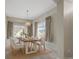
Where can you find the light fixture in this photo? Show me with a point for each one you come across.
(27, 12)
(28, 24)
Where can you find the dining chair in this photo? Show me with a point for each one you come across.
(41, 44)
(15, 45)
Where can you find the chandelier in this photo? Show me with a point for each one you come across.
(27, 23)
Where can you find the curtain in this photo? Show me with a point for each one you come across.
(9, 29)
(36, 25)
(48, 28)
(30, 30)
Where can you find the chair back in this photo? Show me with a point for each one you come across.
(15, 43)
(12, 43)
(42, 41)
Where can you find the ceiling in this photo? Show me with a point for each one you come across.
(18, 8)
(68, 6)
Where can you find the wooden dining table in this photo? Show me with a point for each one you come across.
(29, 42)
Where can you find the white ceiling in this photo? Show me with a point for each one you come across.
(17, 8)
(68, 6)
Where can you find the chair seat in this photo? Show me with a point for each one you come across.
(15, 44)
(38, 43)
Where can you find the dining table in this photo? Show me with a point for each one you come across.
(29, 44)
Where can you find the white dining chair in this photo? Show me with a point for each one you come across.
(16, 45)
(41, 44)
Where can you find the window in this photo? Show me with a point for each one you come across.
(18, 29)
(41, 29)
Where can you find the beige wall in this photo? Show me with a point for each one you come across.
(53, 15)
(17, 20)
(57, 28)
(68, 30)
(68, 35)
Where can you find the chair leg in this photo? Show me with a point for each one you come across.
(23, 50)
(40, 47)
(44, 47)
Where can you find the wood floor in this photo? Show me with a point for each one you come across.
(43, 54)
(48, 54)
